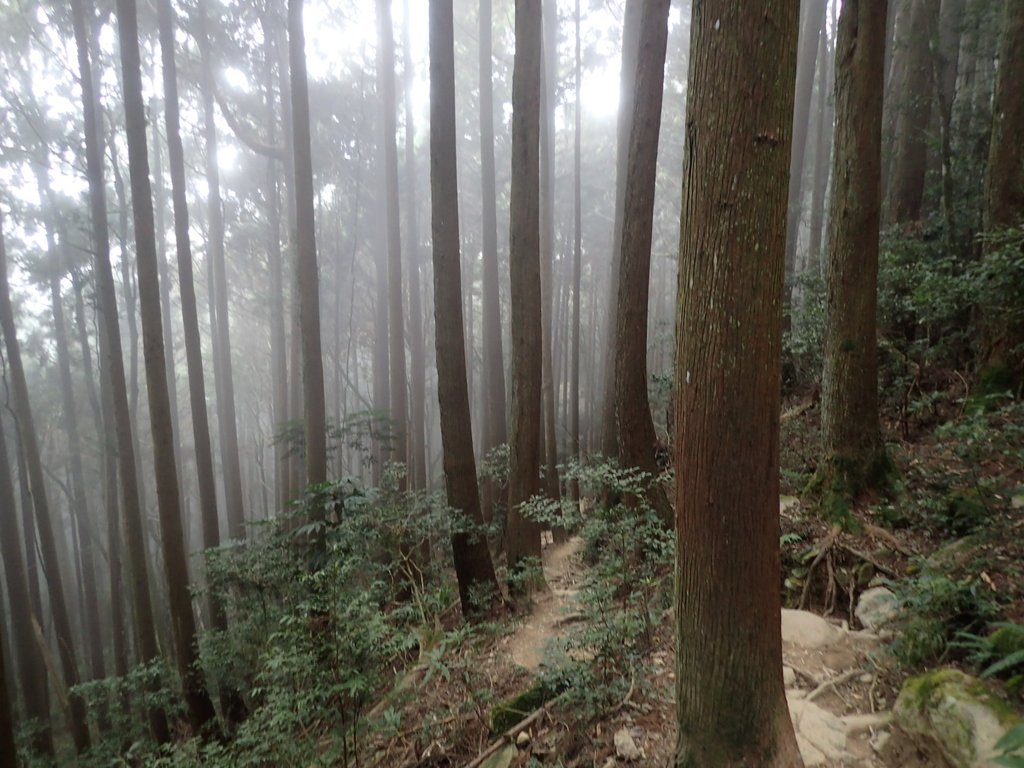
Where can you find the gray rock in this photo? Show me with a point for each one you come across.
(876, 607)
(788, 677)
(807, 629)
(820, 735)
(954, 714)
(625, 748)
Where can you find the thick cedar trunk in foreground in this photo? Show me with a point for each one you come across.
(473, 566)
(31, 669)
(183, 624)
(307, 275)
(44, 524)
(523, 535)
(627, 77)
(851, 437)
(638, 441)
(731, 701)
(112, 372)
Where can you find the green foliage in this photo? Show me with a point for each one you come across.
(1010, 748)
(803, 341)
(999, 653)
(934, 609)
(321, 613)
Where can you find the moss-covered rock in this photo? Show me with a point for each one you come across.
(956, 714)
(513, 710)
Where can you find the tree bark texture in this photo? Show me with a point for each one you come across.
(851, 436)
(575, 447)
(730, 697)
(523, 535)
(1004, 183)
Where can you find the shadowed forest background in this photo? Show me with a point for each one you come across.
(420, 383)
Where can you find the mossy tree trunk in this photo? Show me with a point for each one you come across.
(731, 704)
(854, 457)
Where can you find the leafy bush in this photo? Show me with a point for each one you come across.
(935, 609)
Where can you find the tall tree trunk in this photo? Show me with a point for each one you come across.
(851, 437)
(473, 567)
(186, 650)
(230, 701)
(1004, 193)
(77, 723)
(31, 669)
(910, 154)
(627, 77)
(417, 358)
(306, 271)
(79, 502)
(548, 86)
(638, 442)
(234, 497)
(731, 704)
(812, 29)
(396, 322)
(522, 535)
(822, 153)
(493, 354)
(117, 407)
(575, 447)
(8, 749)
(951, 21)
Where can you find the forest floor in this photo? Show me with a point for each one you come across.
(841, 679)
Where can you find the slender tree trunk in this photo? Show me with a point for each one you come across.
(117, 407)
(230, 701)
(822, 154)
(228, 424)
(811, 31)
(493, 354)
(638, 442)
(627, 78)
(851, 437)
(549, 84)
(417, 357)
(951, 21)
(186, 650)
(473, 566)
(522, 535)
(80, 506)
(8, 749)
(306, 271)
(396, 322)
(44, 524)
(576, 447)
(31, 670)
(731, 704)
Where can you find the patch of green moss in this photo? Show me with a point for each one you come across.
(841, 478)
(965, 511)
(511, 711)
